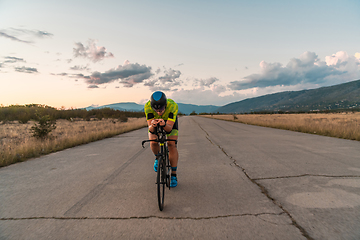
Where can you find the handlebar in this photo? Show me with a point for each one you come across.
(160, 141)
(161, 137)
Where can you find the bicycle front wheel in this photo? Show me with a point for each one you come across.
(167, 169)
(160, 182)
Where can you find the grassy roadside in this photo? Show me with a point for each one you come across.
(339, 125)
(17, 143)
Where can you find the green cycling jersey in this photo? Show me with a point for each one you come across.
(170, 113)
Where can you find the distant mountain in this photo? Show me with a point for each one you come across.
(189, 108)
(126, 106)
(342, 96)
(183, 108)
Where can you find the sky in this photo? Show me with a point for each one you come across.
(73, 54)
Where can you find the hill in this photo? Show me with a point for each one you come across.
(189, 108)
(125, 106)
(342, 96)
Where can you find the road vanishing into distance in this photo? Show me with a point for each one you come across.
(236, 181)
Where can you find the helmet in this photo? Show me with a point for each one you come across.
(158, 100)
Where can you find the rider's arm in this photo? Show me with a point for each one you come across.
(150, 123)
(168, 126)
(153, 122)
(172, 117)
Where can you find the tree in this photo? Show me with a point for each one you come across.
(193, 113)
(45, 126)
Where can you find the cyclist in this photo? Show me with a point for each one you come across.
(163, 111)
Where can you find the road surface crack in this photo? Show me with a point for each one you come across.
(308, 175)
(262, 188)
(141, 217)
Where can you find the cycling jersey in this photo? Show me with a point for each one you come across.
(170, 113)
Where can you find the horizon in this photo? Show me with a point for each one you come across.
(204, 53)
(235, 101)
(107, 104)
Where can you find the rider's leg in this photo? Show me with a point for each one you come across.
(173, 152)
(155, 148)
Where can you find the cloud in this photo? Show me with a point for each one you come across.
(2, 34)
(14, 60)
(134, 79)
(336, 59)
(26, 70)
(79, 68)
(346, 63)
(205, 82)
(16, 35)
(42, 34)
(169, 79)
(35, 33)
(59, 74)
(210, 96)
(92, 52)
(129, 75)
(170, 76)
(307, 69)
(206, 92)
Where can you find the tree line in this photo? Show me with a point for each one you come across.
(25, 113)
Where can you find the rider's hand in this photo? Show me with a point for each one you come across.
(154, 123)
(162, 122)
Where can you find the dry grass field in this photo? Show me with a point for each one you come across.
(340, 125)
(18, 144)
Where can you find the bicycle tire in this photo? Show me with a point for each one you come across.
(168, 168)
(160, 183)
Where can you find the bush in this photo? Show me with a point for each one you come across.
(123, 118)
(45, 126)
(24, 118)
(193, 113)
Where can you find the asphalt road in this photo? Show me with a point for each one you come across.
(236, 181)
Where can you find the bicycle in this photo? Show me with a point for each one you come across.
(164, 167)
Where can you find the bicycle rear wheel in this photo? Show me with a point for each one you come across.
(160, 182)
